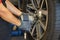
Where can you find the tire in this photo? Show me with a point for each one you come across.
(57, 23)
(51, 22)
(49, 33)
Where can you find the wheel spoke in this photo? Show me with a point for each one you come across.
(33, 30)
(41, 4)
(45, 12)
(46, 4)
(38, 29)
(33, 4)
(41, 35)
(30, 13)
(38, 2)
(42, 25)
(30, 6)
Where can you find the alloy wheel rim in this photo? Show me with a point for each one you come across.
(40, 9)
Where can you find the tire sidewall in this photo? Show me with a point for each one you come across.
(51, 21)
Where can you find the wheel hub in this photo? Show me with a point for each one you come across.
(39, 13)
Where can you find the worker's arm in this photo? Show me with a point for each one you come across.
(8, 16)
(12, 8)
(0, 1)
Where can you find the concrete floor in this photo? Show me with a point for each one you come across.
(17, 38)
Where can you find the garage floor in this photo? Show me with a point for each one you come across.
(17, 38)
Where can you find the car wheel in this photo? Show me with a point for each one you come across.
(44, 19)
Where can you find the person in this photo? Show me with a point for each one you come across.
(7, 15)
